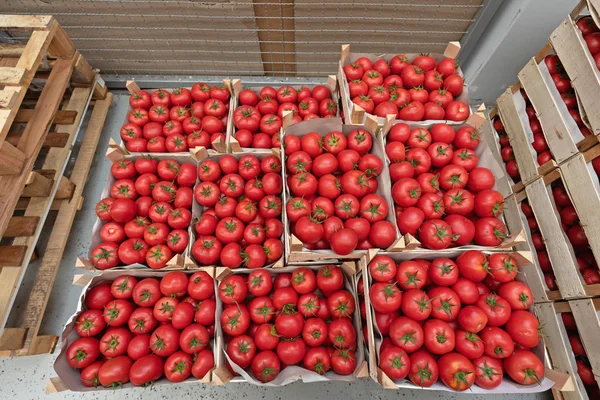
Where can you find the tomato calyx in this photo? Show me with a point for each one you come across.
(408, 337)
(423, 304)
(167, 308)
(123, 286)
(157, 254)
(492, 301)
(207, 244)
(298, 205)
(112, 343)
(342, 308)
(390, 291)
(498, 350)
(382, 267)
(140, 325)
(373, 210)
(488, 372)
(174, 239)
(441, 233)
(445, 269)
(244, 346)
(86, 325)
(458, 198)
(179, 367)
(311, 307)
(423, 374)
(95, 381)
(473, 338)
(234, 321)
(461, 378)
(412, 279)
(103, 255)
(266, 372)
(346, 207)
(146, 295)
(80, 356)
(498, 208)
(230, 225)
(441, 338)
(396, 362)
(455, 180)
(320, 368)
(446, 306)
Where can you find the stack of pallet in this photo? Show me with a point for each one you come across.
(46, 89)
(566, 280)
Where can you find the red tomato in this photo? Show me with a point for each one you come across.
(406, 334)
(423, 369)
(394, 362)
(524, 367)
(456, 371)
(488, 372)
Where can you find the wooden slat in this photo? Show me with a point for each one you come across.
(24, 202)
(557, 347)
(11, 255)
(53, 139)
(588, 326)
(12, 159)
(30, 60)
(12, 338)
(12, 76)
(83, 72)
(62, 117)
(37, 185)
(61, 45)
(26, 21)
(21, 226)
(11, 50)
(581, 68)
(9, 97)
(40, 293)
(65, 189)
(560, 253)
(34, 135)
(557, 124)
(517, 133)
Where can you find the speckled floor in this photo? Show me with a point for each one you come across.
(26, 377)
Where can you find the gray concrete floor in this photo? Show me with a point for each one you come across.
(26, 377)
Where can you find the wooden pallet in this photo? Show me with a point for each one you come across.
(32, 179)
(25, 338)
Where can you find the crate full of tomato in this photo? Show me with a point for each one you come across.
(178, 120)
(336, 194)
(145, 212)
(412, 87)
(281, 325)
(140, 328)
(237, 211)
(258, 112)
(454, 322)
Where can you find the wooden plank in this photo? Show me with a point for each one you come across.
(581, 68)
(517, 129)
(588, 326)
(38, 300)
(24, 202)
(11, 255)
(30, 60)
(61, 45)
(65, 189)
(558, 246)
(62, 117)
(554, 339)
(34, 135)
(12, 159)
(551, 112)
(42, 344)
(579, 182)
(12, 76)
(37, 185)
(53, 139)
(12, 338)
(15, 22)
(83, 72)
(9, 97)
(21, 226)
(11, 50)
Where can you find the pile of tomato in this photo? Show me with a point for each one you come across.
(440, 194)
(574, 232)
(332, 184)
(506, 151)
(139, 330)
(303, 318)
(563, 85)
(417, 91)
(584, 368)
(591, 35)
(240, 224)
(463, 321)
(258, 118)
(176, 121)
(147, 213)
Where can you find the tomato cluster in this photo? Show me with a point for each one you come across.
(584, 368)
(591, 35)
(332, 183)
(563, 85)
(506, 151)
(176, 121)
(441, 196)
(417, 91)
(147, 213)
(574, 232)
(241, 222)
(463, 321)
(258, 118)
(137, 330)
(303, 318)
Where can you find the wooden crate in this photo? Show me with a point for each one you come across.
(559, 248)
(511, 108)
(49, 120)
(569, 45)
